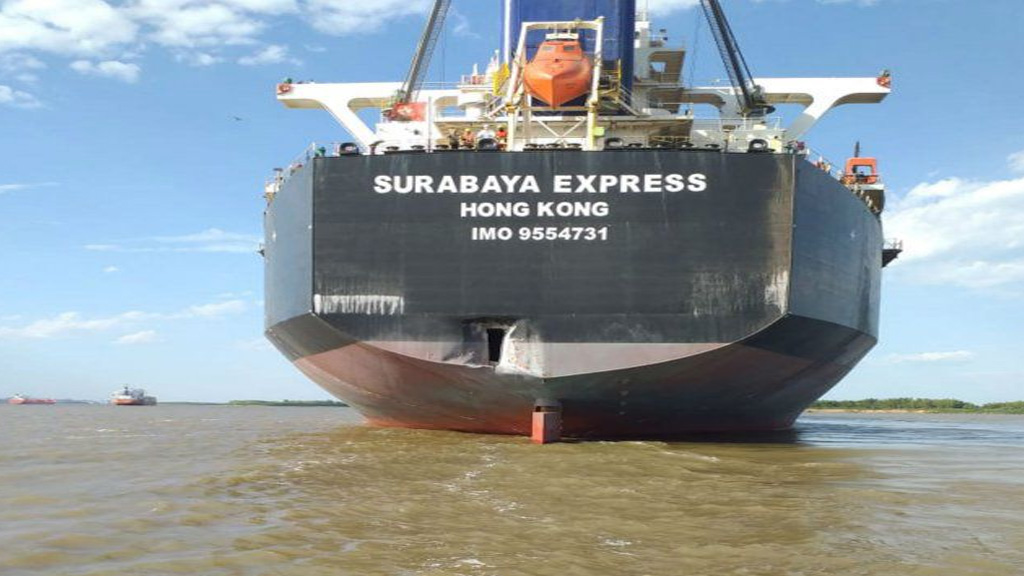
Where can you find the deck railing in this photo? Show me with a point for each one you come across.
(823, 163)
(281, 175)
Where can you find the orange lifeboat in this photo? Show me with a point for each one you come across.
(861, 171)
(560, 72)
(861, 176)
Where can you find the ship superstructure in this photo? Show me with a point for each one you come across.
(637, 101)
(569, 228)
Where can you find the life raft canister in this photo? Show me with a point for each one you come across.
(885, 79)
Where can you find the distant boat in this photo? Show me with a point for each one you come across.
(132, 397)
(18, 399)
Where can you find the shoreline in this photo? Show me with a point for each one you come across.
(890, 411)
(904, 411)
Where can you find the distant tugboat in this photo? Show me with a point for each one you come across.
(132, 397)
(18, 399)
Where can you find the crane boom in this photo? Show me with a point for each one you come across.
(421, 61)
(751, 102)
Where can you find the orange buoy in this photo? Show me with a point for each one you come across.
(560, 72)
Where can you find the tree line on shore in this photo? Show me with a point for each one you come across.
(923, 404)
(286, 403)
(896, 404)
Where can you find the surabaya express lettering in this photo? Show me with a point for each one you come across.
(523, 184)
(575, 218)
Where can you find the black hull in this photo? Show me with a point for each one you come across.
(729, 302)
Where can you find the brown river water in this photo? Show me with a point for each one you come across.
(223, 490)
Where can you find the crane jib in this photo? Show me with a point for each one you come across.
(748, 94)
(421, 61)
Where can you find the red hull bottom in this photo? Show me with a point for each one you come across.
(736, 388)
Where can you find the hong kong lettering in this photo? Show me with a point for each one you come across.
(541, 209)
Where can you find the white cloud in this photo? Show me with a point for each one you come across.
(858, 2)
(193, 58)
(11, 63)
(339, 18)
(67, 27)
(460, 25)
(144, 337)
(68, 324)
(126, 72)
(667, 6)
(211, 240)
(214, 310)
(97, 30)
(111, 269)
(931, 357)
(96, 35)
(197, 24)
(235, 295)
(193, 24)
(1016, 161)
(17, 99)
(13, 187)
(273, 54)
(962, 232)
(254, 345)
(4, 188)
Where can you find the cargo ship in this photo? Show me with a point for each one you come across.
(574, 230)
(19, 399)
(132, 397)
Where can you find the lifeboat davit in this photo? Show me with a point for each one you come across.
(560, 72)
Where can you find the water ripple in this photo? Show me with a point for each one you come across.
(259, 491)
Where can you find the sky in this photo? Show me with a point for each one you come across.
(136, 135)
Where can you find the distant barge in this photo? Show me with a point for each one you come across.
(19, 400)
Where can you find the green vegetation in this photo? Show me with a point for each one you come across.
(286, 403)
(920, 405)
